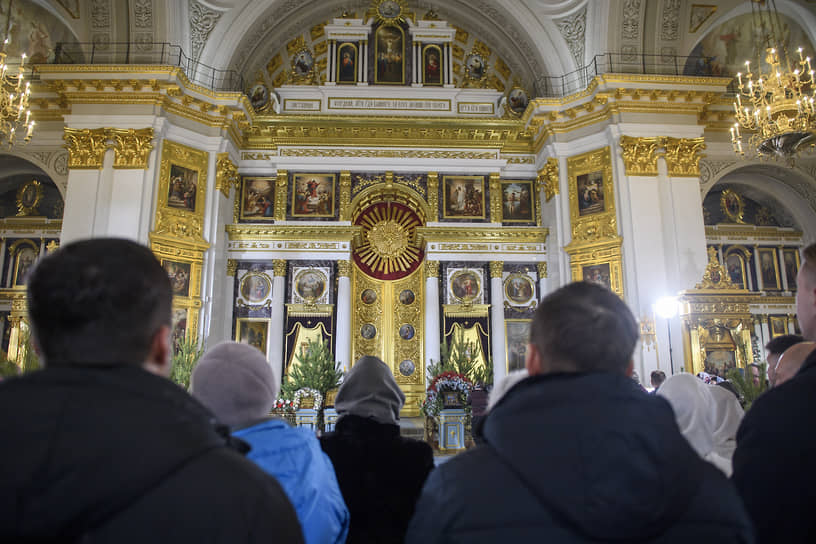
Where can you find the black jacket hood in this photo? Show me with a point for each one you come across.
(83, 443)
(614, 465)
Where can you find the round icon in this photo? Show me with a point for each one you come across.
(407, 367)
(407, 297)
(406, 332)
(368, 331)
(369, 296)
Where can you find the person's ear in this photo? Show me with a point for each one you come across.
(158, 359)
(532, 361)
(630, 368)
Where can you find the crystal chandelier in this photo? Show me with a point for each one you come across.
(777, 106)
(14, 94)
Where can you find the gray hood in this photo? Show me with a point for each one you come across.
(369, 390)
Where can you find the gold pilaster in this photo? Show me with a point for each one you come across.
(683, 156)
(547, 179)
(496, 269)
(345, 195)
(86, 147)
(639, 155)
(279, 267)
(495, 198)
(226, 175)
(280, 195)
(344, 268)
(433, 195)
(131, 147)
(432, 269)
(232, 267)
(542, 270)
(18, 323)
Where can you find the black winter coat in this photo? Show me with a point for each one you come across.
(579, 458)
(380, 475)
(117, 454)
(773, 462)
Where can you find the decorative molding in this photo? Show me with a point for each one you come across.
(495, 198)
(226, 175)
(547, 178)
(344, 268)
(388, 153)
(432, 269)
(631, 20)
(639, 155)
(683, 155)
(280, 195)
(71, 6)
(670, 21)
(86, 147)
(572, 30)
(496, 269)
(279, 268)
(542, 269)
(433, 195)
(345, 195)
(131, 147)
(232, 267)
(202, 22)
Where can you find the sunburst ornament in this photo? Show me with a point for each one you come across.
(389, 249)
(389, 12)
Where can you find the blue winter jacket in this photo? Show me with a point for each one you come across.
(294, 457)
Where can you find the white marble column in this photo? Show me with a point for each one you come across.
(782, 271)
(432, 330)
(448, 65)
(758, 269)
(342, 346)
(766, 330)
(364, 61)
(277, 318)
(543, 283)
(497, 321)
(791, 328)
(331, 61)
(758, 332)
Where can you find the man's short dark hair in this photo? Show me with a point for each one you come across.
(583, 327)
(780, 344)
(658, 377)
(98, 301)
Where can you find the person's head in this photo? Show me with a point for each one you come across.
(369, 390)
(582, 327)
(791, 361)
(236, 382)
(806, 293)
(102, 301)
(755, 372)
(657, 377)
(776, 348)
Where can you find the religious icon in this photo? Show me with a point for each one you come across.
(407, 367)
(258, 199)
(253, 332)
(28, 197)
(519, 289)
(310, 285)
(303, 63)
(368, 296)
(769, 269)
(735, 265)
(475, 67)
(517, 201)
(779, 326)
(719, 361)
(465, 286)
(517, 101)
(432, 63)
(463, 197)
(590, 193)
(368, 331)
(179, 274)
(406, 297)
(791, 259)
(598, 274)
(178, 325)
(255, 287)
(406, 332)
(183, 188)
(517, 333)
(313, 195)
(347, 63)
(390, 55)
(259, 96)
(24, 258)
(389, 9)
(732, 206)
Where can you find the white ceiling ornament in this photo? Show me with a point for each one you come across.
(202, 21)
(573, 29)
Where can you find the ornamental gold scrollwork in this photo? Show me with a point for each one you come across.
(683, 155)
(542, 270)
(345, 195)
(496, 269)
(279, 268)
(280, 195)
(344, 268)
(547, 179)
(86, 147)
(715, 275)
(232, 267)
(131, 147)
(29, 196)
(433, 195)
(226, 175)
(495, 198)
(639, 155)
(432, 269)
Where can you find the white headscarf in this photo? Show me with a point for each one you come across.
(693, 407)
(728, 415)
(504, 385)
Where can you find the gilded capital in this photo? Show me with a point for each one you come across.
(432, 269)
(280, 195)
(548, 178)
(496, 269)
(344, 268)
(345, 195)
(86, 147)
(232, 267)
(683, 156)
(226, 174)
(52, 246)
(131, 147)
(639, 155)
(495, 198)
(433, 195)
(542, 270)
(279, 267)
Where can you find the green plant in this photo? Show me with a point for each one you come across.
(316, 369)
(185, 357)
(462, 357)
(744, 384)
(8, 368)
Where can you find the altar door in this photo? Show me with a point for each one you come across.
(388, 322)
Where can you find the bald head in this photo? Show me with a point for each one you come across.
(791, 361)
(806, 293)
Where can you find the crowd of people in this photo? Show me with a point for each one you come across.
(101, 447)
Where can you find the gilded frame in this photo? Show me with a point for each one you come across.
(737, 253)
(584, 169)
(795, 253)
(267, 195)
(248, 287)
(29, 196)
(425, 51)
(181, 276)
(461, 274)
(246, 325)
(179, 326)
(297, 289)
(531, 201)
(447, 183)
(377, 76)
(299, 177)
(354, 65)
(730, 199)
(510, 289)
(513, 347)
(16, 252)
(181, 222)
(777, 325)
(765, 269)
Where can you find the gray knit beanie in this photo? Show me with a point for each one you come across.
(369, 390)
(236, 382)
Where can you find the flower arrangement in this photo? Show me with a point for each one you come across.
(284, 405)
(307, 392)
(446, 381)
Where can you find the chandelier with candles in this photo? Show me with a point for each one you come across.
(776, 105)
(15, 115)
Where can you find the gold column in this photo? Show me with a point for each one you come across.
(495, 198)
(496, 269)
(345, 195)
(131, 147)
(431, 269)
(433, 195)
(280, 195)
(18, 321)
(344, 269)
(279, 267)
(86, 147)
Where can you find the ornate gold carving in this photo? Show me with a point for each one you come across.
(433, 195)
(226, 175)
(389, 243)
(52, 246)
(279, 267)
(542, 270)
(483, 234)
(495, 198)
(388, 153)
(639, 155)
(715, 275)
(683, 155)
(732, 205)
(29, 196)
(232, 267)
(432, 269)
(594, 171)
(86, 147)
(605, 255)
(496, 269)
(344, 268)
(131, 147)
(329, 232)
(280, 195)
(547, 179)
(345, 195)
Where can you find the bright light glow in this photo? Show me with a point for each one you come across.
(666, 307)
